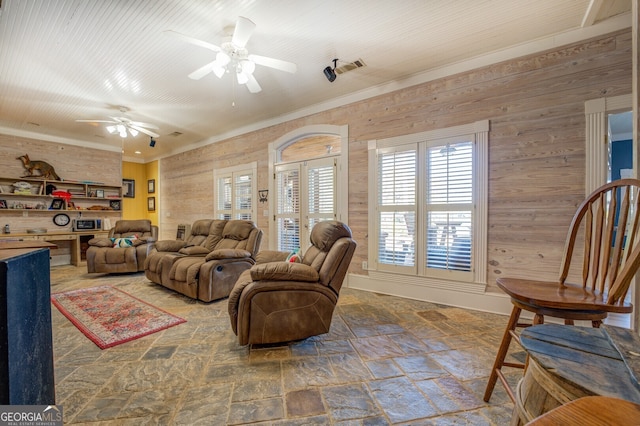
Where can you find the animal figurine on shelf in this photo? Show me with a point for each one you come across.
(46, 170)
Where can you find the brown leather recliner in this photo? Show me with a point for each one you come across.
(130, 255)
(279, 301)
(209, 262)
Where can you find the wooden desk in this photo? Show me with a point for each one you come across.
(78, 241)
(569, 362)
(11, 245)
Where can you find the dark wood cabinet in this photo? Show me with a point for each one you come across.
(26, 342)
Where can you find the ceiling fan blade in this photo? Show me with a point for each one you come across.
(202, 71)
(96, 121)
(252, 84)
(193, 40)
(141, 124)
(274, 63)
(145, 131)
(243, 31)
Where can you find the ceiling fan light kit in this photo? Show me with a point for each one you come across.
(123, 124)
(232, 57)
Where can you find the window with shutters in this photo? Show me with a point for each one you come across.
(449, 205)
(397, 206)
(288, 207)
(234, 193)
(305, 167)
(430, 203)
(306, 195)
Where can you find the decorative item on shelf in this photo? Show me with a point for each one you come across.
(151, 204)
(3, 204)
(57, 204)
(114, 204)
(151, 186)
(22, 188)
(128, 188)
(61, 219)
(37, 231)
(100, 193)
(45, 169)
(263, 195)
(65, 195)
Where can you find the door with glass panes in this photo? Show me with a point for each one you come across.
(305, 195)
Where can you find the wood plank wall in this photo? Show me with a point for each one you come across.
(537, 154)
(70, 163)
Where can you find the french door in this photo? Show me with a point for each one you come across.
(305, 195)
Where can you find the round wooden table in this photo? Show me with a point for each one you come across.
(567, 363)
(591, 411)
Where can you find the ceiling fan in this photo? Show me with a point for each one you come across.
(123, 124)
(232, 56)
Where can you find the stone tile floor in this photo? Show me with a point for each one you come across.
(386, 360)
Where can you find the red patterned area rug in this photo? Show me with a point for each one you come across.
(109, 316)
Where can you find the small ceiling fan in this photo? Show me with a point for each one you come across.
(123, 124)
(232, 56)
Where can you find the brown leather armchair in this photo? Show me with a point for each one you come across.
(278, 301)
(102, 256)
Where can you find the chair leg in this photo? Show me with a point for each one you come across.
(502, 353)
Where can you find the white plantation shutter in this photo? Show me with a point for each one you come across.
(234, 192)
(397, 206)
(306, 195)
(449, 206)
(430, 203)
(321, 194)
(224, 195)
(288, 207)
(243, 191)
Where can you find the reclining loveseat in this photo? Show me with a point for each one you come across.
(124, 250)
(205, 265)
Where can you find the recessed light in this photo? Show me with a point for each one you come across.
(138, 152)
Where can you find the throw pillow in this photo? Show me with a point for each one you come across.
(124, 242)
(294, 256)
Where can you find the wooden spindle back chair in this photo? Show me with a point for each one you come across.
(606, 225)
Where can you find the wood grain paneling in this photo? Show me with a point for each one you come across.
(535, 105)
(70, 163)
(536, 147)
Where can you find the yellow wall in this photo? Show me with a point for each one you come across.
(152, 173)
(137, 207)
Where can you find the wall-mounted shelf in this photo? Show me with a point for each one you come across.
(35, 195)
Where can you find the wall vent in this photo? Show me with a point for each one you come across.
(358, 63)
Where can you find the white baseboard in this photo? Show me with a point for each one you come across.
(401, 286)
(453, 294)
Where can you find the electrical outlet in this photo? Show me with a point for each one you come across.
(365, 265)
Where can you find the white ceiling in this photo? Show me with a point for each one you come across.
(62, 60)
